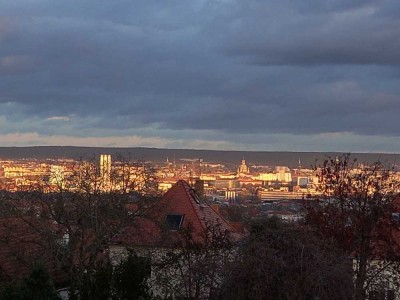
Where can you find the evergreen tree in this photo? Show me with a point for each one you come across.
(130, 278)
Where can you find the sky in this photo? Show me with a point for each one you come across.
(268, 75)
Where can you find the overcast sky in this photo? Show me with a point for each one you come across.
(293, 75)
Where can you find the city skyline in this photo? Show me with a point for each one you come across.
(225, 75)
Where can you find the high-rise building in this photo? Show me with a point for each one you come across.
(105, 170)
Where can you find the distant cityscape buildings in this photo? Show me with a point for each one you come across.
(57, 175)
(243, 168)
(261, 189)
(105, 171)
(224, 183)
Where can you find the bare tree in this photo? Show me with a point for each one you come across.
(73, 221)
(194, 266)
(355, 209)
(134, 176)
(283, 261)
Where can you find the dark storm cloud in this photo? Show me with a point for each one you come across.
(245, 67)
(350, 34)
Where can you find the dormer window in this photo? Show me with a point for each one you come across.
(174, 222)
(396, 217)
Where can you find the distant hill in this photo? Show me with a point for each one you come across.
(290, 159)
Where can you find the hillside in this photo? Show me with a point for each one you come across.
(159, 155)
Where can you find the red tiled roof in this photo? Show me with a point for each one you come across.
(180, 199)
(281, 212)
(21, 247)
(144, 232)
(239, 227)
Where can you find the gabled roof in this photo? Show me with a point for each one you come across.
(181, 199)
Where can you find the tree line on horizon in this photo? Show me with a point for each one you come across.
(290, 159)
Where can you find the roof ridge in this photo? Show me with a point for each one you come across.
(209, 206)
(185, 185)
(221, 217)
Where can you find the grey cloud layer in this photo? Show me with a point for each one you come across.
(246, 67)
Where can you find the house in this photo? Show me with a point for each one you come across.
(22, 246)
(384, 267)
(30, 236)
(187, 241)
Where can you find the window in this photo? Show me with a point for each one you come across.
(64, 240)
(174, 222)
(395, 217)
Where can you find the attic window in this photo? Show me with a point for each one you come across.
(174, 222)
(396, 217)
